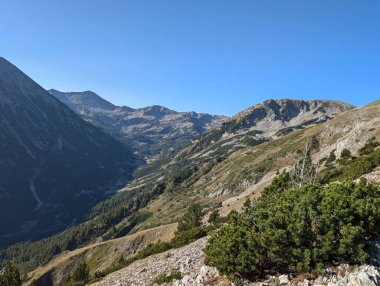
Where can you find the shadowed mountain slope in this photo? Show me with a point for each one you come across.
(54, 165)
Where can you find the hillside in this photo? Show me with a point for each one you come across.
(100, 255)
(222, 184)
(258, 124)
(246, 172)
(244, 175)
(151, 132)
(189, 261)
(54, 165)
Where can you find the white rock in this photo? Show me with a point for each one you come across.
(283, 279)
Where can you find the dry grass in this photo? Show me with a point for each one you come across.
(163, 233)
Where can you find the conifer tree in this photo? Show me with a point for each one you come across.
(192, 218)
(10, 276)
(305, 171)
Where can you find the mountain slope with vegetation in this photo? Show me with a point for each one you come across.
(54, 166)
(220, 170)
(301, 225)
(221, 173)
(261, 123)
(174, 194)
(99, 256)
(161, 198)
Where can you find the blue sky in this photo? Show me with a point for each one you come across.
(215, 56)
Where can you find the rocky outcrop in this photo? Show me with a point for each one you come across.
(263, 122)
(343, 275)
(189, 261)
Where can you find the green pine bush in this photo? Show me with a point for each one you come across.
(299, 230)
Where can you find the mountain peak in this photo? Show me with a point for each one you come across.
(83, 100)
(16, 85)
(291, 108)
(49, 155)
(151, 131)
(4, 61)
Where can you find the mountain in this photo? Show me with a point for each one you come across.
(224, 184)
(152, 132)
(264, 122)
(244, 174)
(54, 166)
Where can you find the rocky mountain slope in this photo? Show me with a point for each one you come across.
(54, 166)
(265, 122)
(261, 123)
(218, 169)
(242, 175)
(153, 131)
(220, 184)
(246, 172)
(189, 261)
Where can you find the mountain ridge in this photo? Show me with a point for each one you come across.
(48, 159)
(152, 131)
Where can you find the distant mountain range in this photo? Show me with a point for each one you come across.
(54, 165)
(152, 132)
(264, 122)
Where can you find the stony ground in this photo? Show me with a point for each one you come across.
(189, 260)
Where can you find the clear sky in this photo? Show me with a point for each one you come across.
(215, 56)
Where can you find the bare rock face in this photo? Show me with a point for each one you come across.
(263, 122)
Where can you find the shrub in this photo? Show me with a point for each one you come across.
(192, 218)
(82, 273)
(329, 174)
(331, 158)
(10, 276)
(369, 147)
(358, 167)
(185, 237)
(351, 168)
(302, 229)
(163, 278)
(345, 154)
(214, 217)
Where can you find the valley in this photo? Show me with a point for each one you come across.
(143, 169)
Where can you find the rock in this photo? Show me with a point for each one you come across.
(189, 260)
(364, 276)
(185, 281)
(283, 279)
